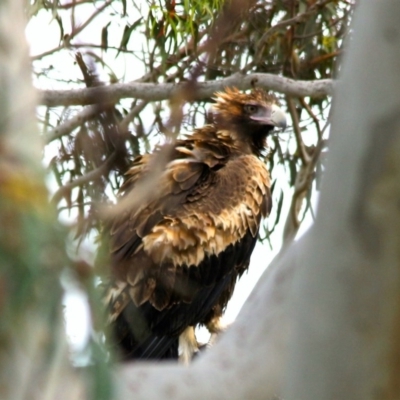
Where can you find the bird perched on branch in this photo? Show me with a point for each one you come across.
(177, 255)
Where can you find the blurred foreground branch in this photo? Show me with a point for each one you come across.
(33, 357)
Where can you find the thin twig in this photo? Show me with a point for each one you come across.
(304, 180)
(74, 33)
(123, 125)
(305, 158)
(73, 4)
(315, 33)
(313, 116)
(89, 177)
(297, 19)
(324, 57)
(68, 126)
(80, 28)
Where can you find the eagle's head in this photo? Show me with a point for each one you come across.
(250, 117)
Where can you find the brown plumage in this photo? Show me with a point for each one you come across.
(176, 257)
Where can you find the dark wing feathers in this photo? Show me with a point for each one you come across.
(179, 255)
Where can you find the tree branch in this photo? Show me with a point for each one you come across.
(89, 177)
(294, 20)
(204, 90)
(304, 156)
(313, 117)
(68, 126)
(134, 112)
(304, 180)
(74, 32)
(346, 301)
(247, 362)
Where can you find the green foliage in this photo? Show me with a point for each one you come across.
(169, 23)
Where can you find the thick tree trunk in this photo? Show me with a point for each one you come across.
(346, 337)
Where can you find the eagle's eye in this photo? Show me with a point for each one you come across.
(250, 108)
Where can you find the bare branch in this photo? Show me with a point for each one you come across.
(258, 338)
(304, 180)
(68, 126)
(74, 33)
(296, 128)
(98, 11)
(295, 20)
(89, 177)
(204, 90)
(73, 4)
(313, 116)
(123, 125)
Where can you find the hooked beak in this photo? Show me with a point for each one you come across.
(273, 116)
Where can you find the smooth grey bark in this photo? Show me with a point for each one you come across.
(248, 361)
(157, 91)
(346, 337)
